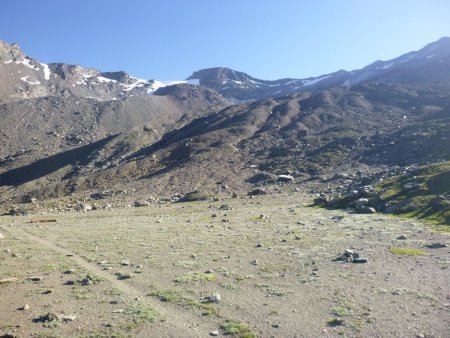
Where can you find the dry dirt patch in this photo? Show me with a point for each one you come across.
(271, 260)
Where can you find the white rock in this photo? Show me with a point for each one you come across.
(68, 318)
(214, 298)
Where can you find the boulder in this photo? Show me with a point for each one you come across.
(285, 178)
(320, 200)
(257, 191)
(141, 203)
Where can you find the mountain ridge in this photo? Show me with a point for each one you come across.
(240, 86)
(184, 137)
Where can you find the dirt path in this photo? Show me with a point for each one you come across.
(172, 322)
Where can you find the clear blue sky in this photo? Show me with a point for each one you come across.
(269, 39)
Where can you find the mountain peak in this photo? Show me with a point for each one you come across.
(10, 51)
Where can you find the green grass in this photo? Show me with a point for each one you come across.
(142, 313)
(175, 296)
(207, 309)
(191, 277)
(340, 311)
(414, 195)
(81, 292)
(420, 202)
(196, 196)
(95, 279)
(188, 264)
(406, 251)
(167, 295)
(114, 292)
(237, 329)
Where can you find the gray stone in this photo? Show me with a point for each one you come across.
(68, 318)
(86, 281)
(141, 203)
(361, 202)
(214, 298)
(348, 252)
(320, 200)
(366, 210)
(354, 193)
(35, 278)
(285, 178)
(360, 260)
(436, 245)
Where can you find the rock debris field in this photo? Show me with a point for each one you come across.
(267, 266)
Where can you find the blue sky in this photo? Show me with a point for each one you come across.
(169, 39)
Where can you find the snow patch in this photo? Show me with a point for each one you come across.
(314, 81)
(139, 83)
(25, 79)
(256, 82)
(26, 62)
(155, 85)
(430, 56)
(46, 70)
(104, 79)
(291, 82)
(386, 66)
(411, 56)
(6, 62)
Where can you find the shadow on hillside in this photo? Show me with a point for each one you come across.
(46, 166)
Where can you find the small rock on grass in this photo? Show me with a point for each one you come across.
(86, 281)
(352, 256)
(360, 260)
(36, 278)
(68, 318)
(214, 333)
(214, 298)
(436, 245)
(2, 236)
